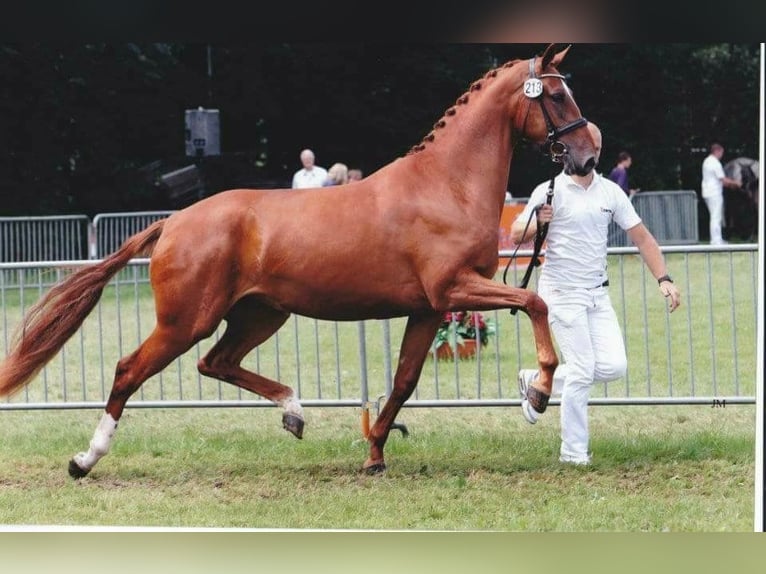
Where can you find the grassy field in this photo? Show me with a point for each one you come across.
(678, 468)
(669, 468)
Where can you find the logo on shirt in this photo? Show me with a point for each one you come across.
(606, 210)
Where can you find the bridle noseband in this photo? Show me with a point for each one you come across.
(533, 88)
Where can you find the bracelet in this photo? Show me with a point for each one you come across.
(663, 279)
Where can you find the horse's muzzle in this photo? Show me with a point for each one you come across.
(572, 168)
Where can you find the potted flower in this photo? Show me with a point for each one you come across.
(458, 333)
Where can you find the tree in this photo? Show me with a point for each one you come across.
(82, 123)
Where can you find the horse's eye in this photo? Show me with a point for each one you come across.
(558, 97)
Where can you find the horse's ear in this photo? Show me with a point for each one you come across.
(550, 55)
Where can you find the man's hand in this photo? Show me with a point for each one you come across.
(670, 292)
(545, 214)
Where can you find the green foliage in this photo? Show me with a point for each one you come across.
(79, 122)
(94, 117)
(460, 326)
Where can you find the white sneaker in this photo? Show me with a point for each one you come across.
(526, 378)
(577, 461)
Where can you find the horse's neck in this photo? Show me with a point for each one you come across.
(474, 151)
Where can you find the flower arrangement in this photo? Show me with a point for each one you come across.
(459, 326)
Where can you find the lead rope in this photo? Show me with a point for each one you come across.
(540, 234)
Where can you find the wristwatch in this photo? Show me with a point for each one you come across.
(663, 279)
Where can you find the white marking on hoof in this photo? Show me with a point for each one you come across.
(293, 407)
(99, 444)
(79, 459)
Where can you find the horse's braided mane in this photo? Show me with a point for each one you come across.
(461, 101)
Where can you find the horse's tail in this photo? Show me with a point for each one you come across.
(50, 322)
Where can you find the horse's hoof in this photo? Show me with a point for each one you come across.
(75, 471)
(538, 400)
(293, 423)
(375, 468)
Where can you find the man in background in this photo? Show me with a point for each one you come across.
(713, 181)
(310, 175)
(619, 173)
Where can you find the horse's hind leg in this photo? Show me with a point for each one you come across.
(159, 349)
(250, 323)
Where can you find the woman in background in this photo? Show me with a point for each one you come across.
(336, 175)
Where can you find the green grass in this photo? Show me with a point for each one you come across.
(655, 469)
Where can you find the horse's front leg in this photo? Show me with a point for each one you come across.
(418, 337)
(478, 293)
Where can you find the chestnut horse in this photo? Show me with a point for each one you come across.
(417, 238)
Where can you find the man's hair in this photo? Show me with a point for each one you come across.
(715, 146)
(622, 156)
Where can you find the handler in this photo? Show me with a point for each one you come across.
(573, 283)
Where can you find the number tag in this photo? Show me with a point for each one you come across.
(533, 87)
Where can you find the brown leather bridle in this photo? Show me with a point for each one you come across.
(556, 148)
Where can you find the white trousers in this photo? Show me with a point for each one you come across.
(585, 327)
(715, 207)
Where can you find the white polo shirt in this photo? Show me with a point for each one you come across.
(305, 178)
(712, 174)
(576, 244)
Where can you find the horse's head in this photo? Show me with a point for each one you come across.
(552, 118)
(744, 170)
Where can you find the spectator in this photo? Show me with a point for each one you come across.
(573, 283)
(713, 181)
(336, 175)
(310, 175)
(619, 173)
(355, 174)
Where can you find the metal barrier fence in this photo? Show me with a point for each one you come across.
(50, 238)
(704, 352)
(671, 216)
(111, 229)
(69, 237)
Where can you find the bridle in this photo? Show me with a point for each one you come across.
(533, 89)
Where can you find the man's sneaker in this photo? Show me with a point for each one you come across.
(577, 461)
(526, 378)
